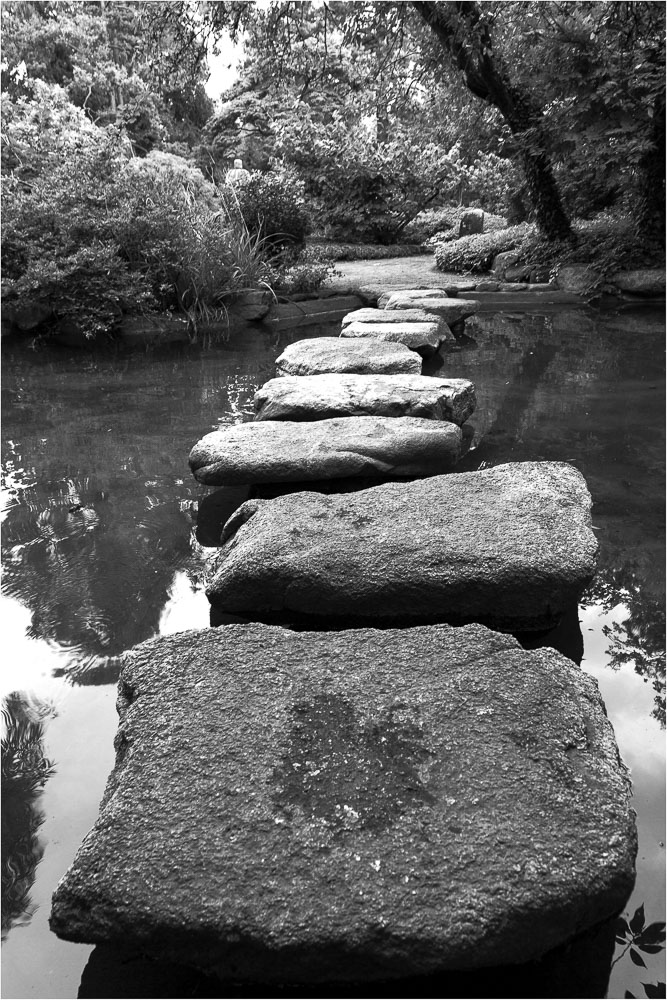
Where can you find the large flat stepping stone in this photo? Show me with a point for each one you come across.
(318, 397)
(451, 310)
(511, 547)
(368, 315)
(424, 338)
(325, 355)
(360, 805)
(414, 294)
(283, 451)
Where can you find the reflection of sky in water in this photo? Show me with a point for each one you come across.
(641, 741)
(79, 739)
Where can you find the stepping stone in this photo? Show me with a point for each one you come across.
(511, 547)
(413, 294)
(324, 355)
(281, 451)
(451, 310)
(318, 397)
(360, 805)
(368, 315)
(424, 338)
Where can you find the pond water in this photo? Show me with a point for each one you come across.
(101, 550)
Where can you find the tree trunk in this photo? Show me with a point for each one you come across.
(652, 179)
(462, 33)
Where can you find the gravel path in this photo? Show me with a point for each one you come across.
(396, 272)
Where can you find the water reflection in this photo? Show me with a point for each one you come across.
(636, 635)
(98, 499)
(100, 504)
(578, 969)
(99, 538)
(25, 770)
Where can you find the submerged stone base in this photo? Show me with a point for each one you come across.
(362, 805)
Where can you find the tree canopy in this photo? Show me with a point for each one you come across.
(577, 88)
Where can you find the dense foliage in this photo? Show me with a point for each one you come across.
(476, 253)
(354, 120)
(571, 93)
(90, 231)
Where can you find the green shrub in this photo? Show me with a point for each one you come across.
(90, 232)
(309, 272)
(609, 243)
(476, 253)
(274, 210)
(444, 223)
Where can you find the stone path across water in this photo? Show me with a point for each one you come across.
(291, 807)
(295, 806)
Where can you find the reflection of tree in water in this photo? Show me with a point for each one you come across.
(25, 770)
(95, 565)
(640, 638)
(100, 494)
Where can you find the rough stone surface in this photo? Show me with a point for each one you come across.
(352, 806)
(281, 451)
(325, 355)
(250, 304)
(576, 278)
(382, 316)
(645, 281)
(488, 286)
(517, 272)
(424, 338)
(451, 310)
(318, 397)
(471, 222)
(502, 261)
(510, 546)
(414, 295)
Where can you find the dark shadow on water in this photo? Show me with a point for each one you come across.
(566, 637)
(578, 969)
(214, 510)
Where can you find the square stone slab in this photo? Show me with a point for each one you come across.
(355, 805)
(325, 355)
(285, 451)
(451, 310)
(368, 315)
(319, 397)
(511, 547)
(425, 338)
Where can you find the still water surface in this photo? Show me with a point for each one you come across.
(101, 550)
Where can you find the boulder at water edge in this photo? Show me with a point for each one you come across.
(451, 310)
(318, 397)
(414, 294)
(510, 547)
(282, 451)
(352, 806)
(424, 338)
(325, 355)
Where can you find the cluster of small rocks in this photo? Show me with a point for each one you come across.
(366, 778)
